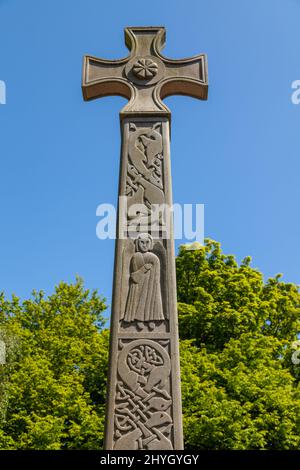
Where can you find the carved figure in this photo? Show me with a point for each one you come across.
(144, 302)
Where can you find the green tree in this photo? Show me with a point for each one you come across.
(240, 387)
(53, 385)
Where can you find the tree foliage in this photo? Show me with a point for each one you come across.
(53, 385)
(240, 388)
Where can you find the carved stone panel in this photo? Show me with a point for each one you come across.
(144, 301)
(143, 414)
(144, 177)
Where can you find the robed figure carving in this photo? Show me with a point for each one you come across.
(144, 303)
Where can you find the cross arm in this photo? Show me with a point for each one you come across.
(102, 77)
(184, 77)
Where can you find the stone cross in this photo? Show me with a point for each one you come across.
(144, 399)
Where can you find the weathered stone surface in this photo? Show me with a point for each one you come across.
(167, 76)
(144, 400)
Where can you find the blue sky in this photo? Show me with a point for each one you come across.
(238, 153)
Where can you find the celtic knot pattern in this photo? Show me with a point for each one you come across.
(143, 358)
(142, 415)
